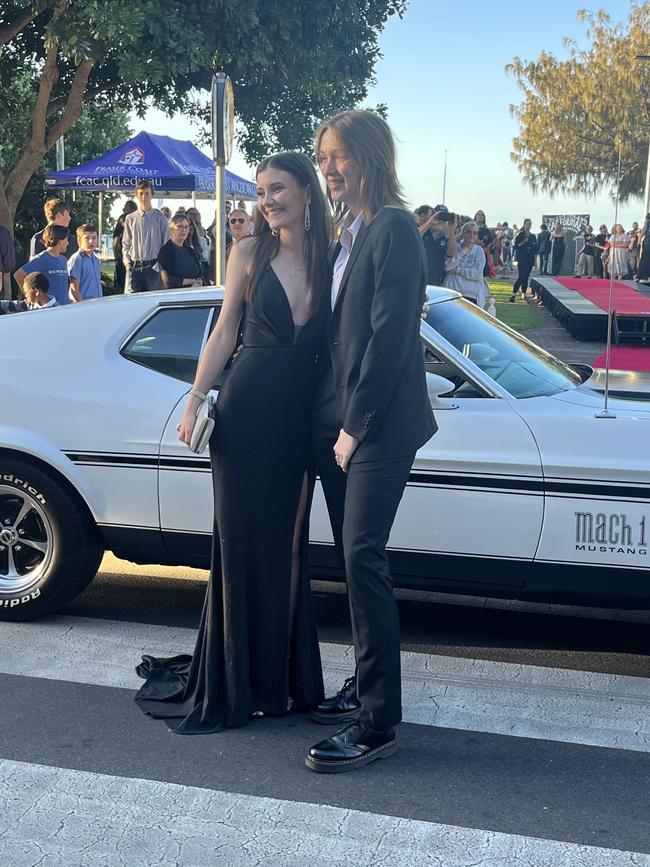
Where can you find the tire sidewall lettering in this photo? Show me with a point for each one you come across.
(20, 600)
(21, 484)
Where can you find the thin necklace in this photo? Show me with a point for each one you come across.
(294, 271)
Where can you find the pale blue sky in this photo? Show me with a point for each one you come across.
(442, 77)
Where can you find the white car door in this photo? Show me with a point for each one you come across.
(475, 494)
(185, 486)
(185, 481)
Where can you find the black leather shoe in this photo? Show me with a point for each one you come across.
(352, 747)
(340, 708)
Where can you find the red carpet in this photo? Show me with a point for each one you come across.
(626, 299)
(626, 358)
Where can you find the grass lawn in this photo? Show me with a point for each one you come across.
(520, 315)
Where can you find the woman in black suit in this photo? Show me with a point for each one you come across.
(372, 414)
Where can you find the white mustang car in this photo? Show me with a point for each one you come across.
(525, 492)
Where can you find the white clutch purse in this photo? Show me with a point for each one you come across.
(204, 425)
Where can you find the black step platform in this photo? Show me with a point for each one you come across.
(583, 319)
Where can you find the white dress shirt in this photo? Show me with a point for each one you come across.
(144, 234)
(348, 236)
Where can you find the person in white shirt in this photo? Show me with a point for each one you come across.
(145, 231)
(465, 269)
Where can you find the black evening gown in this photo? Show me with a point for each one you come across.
(247, 656)
(557, 255)
(643, 271)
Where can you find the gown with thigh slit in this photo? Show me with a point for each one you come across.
(248, 656)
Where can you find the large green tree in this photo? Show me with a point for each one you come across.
(292, 61)
(575, 112)
(102, 126)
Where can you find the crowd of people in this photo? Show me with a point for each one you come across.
(153, 249)
(463, 253)
(157, 249)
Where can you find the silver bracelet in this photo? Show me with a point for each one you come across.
(198, 393)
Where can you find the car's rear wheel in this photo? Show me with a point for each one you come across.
(50, 549)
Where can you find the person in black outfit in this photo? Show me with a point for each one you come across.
(526, 248)
(439, 239)
(371, 415)
(558, 246)
(587, 254)
(643, 271)
(257, 650)
(118, 232)
(58, 212)
(543, 248)
(178, 262)
(600, 245)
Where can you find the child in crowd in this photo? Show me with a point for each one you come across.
(84, 267)
(51, 262)
(35, 289)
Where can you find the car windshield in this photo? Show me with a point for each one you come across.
(522, 369)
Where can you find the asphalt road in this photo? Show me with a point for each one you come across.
(525, 741)
(174, 596)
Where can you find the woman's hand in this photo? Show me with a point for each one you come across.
(344, 448)
(189, 420)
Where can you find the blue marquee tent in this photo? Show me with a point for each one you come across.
(173, 167)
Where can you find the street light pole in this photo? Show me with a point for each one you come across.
(444, 181)
(646, 198)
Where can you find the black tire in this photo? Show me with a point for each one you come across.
(50, 549)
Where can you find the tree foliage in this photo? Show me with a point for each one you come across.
(576, 112)
(292, 62)
(102, 125)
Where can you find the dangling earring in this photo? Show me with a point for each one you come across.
(307, 218)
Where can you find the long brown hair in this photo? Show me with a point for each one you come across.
(317, 239)
(367, 138)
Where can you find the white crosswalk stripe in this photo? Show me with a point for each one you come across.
(81, 818)
(84, 819)
(606, 710)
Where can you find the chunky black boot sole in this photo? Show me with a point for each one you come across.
(325, 719)
(339, 767)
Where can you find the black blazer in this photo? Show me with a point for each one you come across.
(374, 338)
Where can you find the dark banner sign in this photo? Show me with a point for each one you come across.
(575, 222)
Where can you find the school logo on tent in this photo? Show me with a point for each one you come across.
(133, 157)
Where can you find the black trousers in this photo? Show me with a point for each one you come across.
(524, 267)
(362, 507)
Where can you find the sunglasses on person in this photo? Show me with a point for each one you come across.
(235, 220)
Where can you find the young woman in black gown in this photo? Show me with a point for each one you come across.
(257, 650)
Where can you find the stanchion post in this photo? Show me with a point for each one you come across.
(223, 127)
(100, 218)
(645, 58)
(220, 223)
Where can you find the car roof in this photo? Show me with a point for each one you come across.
(53, 331)
(436, 294)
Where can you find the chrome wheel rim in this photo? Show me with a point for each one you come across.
(26, 541)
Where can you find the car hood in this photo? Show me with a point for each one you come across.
(624, 384)
(629, 392)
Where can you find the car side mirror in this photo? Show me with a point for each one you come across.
(438, 386)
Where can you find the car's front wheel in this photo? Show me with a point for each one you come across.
(50, 549)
